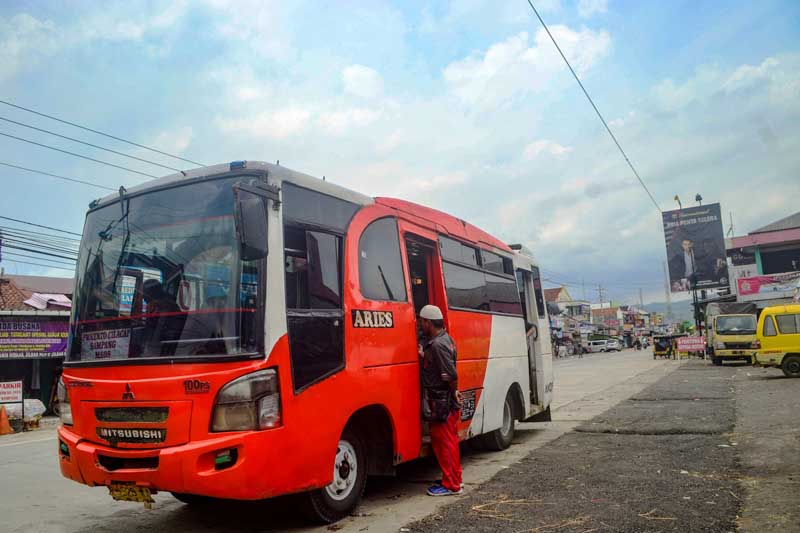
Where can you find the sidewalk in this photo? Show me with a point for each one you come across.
(661, 461)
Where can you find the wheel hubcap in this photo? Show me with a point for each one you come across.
(794, 367)
(506, 418)
(345, 472)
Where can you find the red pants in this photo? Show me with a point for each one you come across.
(444, 439)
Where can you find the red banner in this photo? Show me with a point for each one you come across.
(691, 344)
(782, 283)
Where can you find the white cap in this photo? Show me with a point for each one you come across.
(431, 312)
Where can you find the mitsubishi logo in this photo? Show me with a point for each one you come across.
(128, 394)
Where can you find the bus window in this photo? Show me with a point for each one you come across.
(313, 263)
(537, 289)
(380, 267)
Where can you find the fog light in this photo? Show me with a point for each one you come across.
(225, 459)
(63, 448)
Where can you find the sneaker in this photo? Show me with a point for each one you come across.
(438, 490)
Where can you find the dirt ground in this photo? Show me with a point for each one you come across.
(664, 460)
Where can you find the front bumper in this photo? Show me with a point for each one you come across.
(734, 354)
(189, 468)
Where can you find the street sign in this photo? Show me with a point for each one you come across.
(691, 344)
(10, 391)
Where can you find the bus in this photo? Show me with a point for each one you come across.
(244, 331)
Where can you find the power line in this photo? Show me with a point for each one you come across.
(66, 241)
(17, 254)
(33, 250)
(100, 133)
(603, 120)
(37, 264)
(54, 249)
(59, 177)
(39, 225)
(89, 144)
(77, 155)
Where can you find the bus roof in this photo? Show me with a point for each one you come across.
(434, 219)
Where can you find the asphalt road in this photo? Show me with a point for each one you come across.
(34, 496)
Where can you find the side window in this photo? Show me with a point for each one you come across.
(466, 288)
(313, 276)
(496, 263)
(537, 289)
(456, 251)
(786, 323)
(769, 327)
(380, 266)
(503, 295)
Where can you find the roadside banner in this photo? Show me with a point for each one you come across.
(32, 338)
(782, 284)
(695, 247)
(691, 344)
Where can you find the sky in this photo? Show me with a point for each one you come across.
(464, 106)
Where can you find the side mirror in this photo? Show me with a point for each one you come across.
(251, 224)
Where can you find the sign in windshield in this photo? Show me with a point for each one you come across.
(160, 275)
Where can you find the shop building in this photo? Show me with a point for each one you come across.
(34, 326)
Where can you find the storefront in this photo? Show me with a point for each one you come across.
(32, 348)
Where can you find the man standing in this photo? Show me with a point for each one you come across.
(440, 380)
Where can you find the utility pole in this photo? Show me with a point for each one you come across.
(583, 289)
(667, 293)
(600, 294)
(641, 300)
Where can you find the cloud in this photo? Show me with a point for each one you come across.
(536, 148)
(130, 23)
(587, 8)
(24, 40)
(362, 81)
(747, 75)
(339, 122)
(174, 141)
(513, 68)
(277, 125)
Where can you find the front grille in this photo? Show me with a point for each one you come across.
(738, 345)
(132, 414)
(119, 463)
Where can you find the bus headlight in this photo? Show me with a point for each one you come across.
(65, 409)
(249, 402)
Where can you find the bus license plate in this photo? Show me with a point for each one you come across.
(130, 493)
(467, 404)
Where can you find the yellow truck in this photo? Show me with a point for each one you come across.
(779, 339)
(730, 332)
(734, 338)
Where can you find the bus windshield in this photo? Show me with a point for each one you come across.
(159, 275)
(736, 325)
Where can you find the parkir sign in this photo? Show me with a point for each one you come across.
(10, 391)
(691, 344)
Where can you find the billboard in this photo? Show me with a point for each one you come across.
(695, 248)
(32, 337)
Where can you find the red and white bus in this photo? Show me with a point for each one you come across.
(245, 331)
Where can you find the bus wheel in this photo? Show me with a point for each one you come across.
(716, 361)
(501, 438)
(338, 499)
(791, 366)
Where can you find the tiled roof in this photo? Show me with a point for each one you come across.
(551, 295)
(790, 222)
(11, 297)
(43, 284)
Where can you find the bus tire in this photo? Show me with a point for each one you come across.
(337, 500)
(501, 438)
(791, 366)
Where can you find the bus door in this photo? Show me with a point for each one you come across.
(525, 287)
(423, 258)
